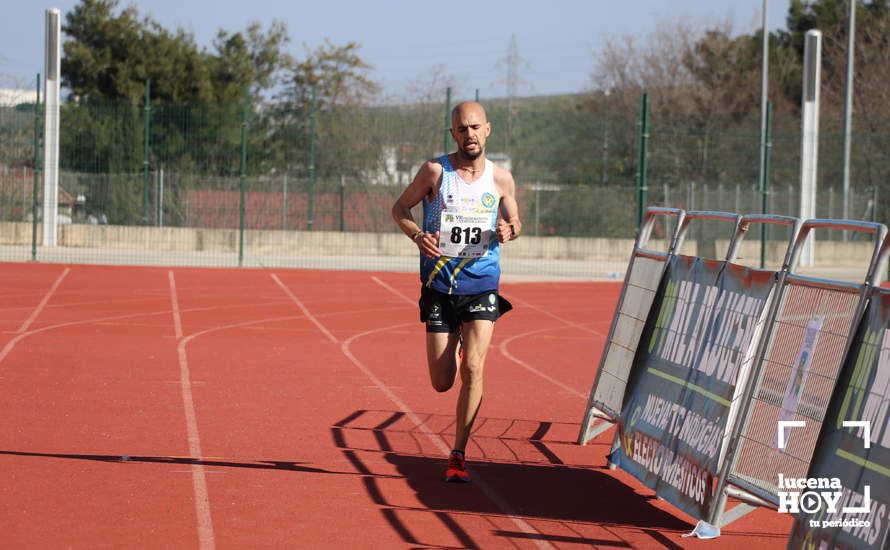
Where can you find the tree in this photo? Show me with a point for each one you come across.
(421, 118)
(110, 53)
(345, 129)
(104, 56)
(254, 58)
(338, 73)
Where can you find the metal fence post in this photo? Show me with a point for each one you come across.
(447, 120)
(342, 203)
(764, 181)
(644, 140)
(312, 153)
(604, 176)
(146, 151)
(34, 208)
(160, 198)
(243, 179)
(284, 201)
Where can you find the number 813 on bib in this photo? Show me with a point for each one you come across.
(464, 235)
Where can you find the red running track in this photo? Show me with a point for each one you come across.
(201, 408)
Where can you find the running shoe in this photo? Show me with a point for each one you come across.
(457, 468)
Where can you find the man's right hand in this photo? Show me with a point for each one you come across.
(428, 244)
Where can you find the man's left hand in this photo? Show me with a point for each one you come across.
(504, 230)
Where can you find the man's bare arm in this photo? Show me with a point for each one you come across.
(423, 184)
(509, 225)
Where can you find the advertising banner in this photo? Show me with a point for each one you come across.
(695, 352)
(845, 500)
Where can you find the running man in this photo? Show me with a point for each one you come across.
(469, 210)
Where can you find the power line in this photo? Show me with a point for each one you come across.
(512, 62)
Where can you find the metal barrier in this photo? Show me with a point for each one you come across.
(697, 342)
(811, 326)
(715, 313)
(787, 370)
(641, 280)
(853, 448)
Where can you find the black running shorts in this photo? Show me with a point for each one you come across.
(445, 312)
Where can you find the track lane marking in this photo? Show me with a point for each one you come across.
(304, 309)
(206, 537)
(22, 330)
(434, 438)
(506, 353)
(503, 346)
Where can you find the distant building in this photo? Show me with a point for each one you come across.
(10, 97)
(392, 170)
(500, 159)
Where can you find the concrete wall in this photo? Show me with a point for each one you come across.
(185, 239)
(538, 253)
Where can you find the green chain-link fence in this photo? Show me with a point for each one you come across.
(319, 181)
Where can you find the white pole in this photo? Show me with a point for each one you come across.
(809, 138)
(51, 128)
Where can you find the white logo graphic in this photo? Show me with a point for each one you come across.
(809, 495)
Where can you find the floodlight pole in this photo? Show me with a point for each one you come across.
(51, 128)
(809, 142)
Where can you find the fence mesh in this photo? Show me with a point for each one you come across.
(787, 370)
(639, 293)
(135, 166)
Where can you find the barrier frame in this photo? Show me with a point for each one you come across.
(728, 485)
(596, 410)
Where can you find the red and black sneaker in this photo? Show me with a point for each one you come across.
(457, 468)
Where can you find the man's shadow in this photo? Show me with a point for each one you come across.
(533, 487)
(555, 492)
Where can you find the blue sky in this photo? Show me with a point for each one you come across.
(405, 40)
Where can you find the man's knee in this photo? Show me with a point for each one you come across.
(442, 373)
(471, 370)
(442, 385)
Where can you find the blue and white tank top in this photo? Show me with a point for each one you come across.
(455, 275)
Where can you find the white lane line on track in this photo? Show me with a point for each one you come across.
(506, 353)
(393, 290)
(206, 538)
(503, 345)
(435, 438)
(569, 324)
(22, 331)
(110, 319)
(554, 316)
(305, 311)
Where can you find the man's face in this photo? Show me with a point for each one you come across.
(469, 128)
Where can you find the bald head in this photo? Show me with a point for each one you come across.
(464, 108)
(470, 129)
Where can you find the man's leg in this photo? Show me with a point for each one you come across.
(476, 339)
(441, 354)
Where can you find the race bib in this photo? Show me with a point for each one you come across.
(464, 235)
